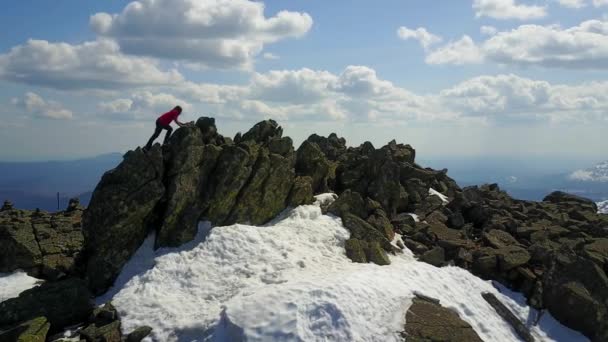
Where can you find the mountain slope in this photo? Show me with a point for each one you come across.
(290, 280)
(597, 173)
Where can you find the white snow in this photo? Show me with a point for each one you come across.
(415, 217)
(598, 173)
(12, 284)
(602, 207)
(444, 198)
(291, 281)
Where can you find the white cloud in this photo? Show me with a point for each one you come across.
(573, 3)
(507, 9)
(425, 38)
(580, 47)
(93, 65)
(488, 30)
(213, 33)
(600, 3)
(268, 55)
(34, 104)
(291, 86)
(463, 51)
(142, 105)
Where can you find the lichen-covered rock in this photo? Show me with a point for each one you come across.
(63, 303)
(311, 161)
(139, 334)
(301, 192)
(376, 254)
(34, 330)
(355, 250)
(576, 293)
(187, 174)
(118, 217)
(262, 132)
(45, 245)
(435, 257)
(349, 202)
(265, 194)
(104, 333)
(427, 321)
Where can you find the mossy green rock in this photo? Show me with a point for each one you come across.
(311, 161)
(376, 254)
(104, 333)
(34, 330)
(118, 217)
(46, 245)
(301, 192)
(63, 303)
(139, 334)
(349, 202)
(355, 250)
(265, 194)
(187, 176)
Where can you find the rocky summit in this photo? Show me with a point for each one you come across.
(554, 251)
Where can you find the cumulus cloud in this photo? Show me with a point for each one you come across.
(488, 30)
(600, 3)
(462, 51)
(573, 3)
(507, 9)
(143, 105)
(94, 65)
(425, 38)
(580, 47)
(35, 105)
(213, 33)
(268, 55)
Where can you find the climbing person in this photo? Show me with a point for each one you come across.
(164, 122)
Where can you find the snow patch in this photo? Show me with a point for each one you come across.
(12, 284)
(602, 207)
(291, 280)
(444, 198)
(598, 173)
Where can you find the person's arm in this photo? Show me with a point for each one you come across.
(180, 124)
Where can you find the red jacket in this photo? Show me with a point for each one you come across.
(168, 117)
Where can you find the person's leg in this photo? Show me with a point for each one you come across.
(169, 131)
(154, 136)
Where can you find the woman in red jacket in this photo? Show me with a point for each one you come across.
(164, 122)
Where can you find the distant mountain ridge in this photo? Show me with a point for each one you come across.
(32, 185)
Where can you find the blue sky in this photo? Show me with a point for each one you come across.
(471, 78)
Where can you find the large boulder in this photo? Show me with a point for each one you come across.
(188, 169)
(119, 215)
(312, 162)
(428, 321)
(63, 303)
(34, 330)
(576, 293)
(46, 245)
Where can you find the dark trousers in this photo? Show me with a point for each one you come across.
(159, 128)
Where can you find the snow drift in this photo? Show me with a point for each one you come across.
(291, 280)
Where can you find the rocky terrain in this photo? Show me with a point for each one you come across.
(554, 251)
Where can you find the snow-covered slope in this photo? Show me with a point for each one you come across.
(12, 284)
(291, 280)
(598, 173)
(602, 207)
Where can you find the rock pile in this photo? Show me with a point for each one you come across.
(555, 251)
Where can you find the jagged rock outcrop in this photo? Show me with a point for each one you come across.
(46, 245)
(555, 251)
(429, 321)
(120, 214)
(200, 175)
